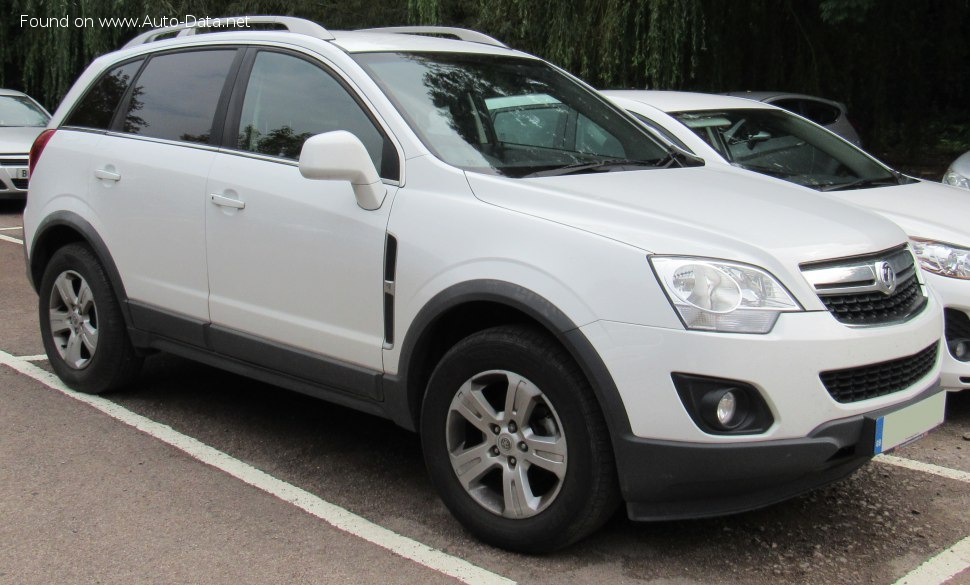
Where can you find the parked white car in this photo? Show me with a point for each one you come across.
(765, 139)
(568, 311)
(21, 120)
(830, 114)
(958, 174)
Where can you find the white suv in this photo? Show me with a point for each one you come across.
(568, 313)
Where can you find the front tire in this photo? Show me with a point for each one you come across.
(81, 324)
(515, 442)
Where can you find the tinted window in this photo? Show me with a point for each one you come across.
(792, 105)
(779, 144)
(98, 106)
(17, 110)
(505, 115)
(176, 95)
(819, 112)
(289, 100)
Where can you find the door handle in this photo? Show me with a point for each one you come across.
(107, 175)
(223, 201)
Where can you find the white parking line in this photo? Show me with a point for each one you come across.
(924, 467)
(334, 515)
(10, 229)
(12, 240)
(34, 358)
(942, 567)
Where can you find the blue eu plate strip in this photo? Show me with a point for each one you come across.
(879, 424)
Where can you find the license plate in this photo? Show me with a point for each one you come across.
(910, 423)
(21, 173)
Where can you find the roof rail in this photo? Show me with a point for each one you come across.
(291, 23)
(462, 34)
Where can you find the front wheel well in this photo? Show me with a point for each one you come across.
(448, 329)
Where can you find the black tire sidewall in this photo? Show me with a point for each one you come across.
(113, 341)
(550, 371)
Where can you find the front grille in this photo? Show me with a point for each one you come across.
(862, 383)
(873, 308)
(13, 162)
(20, 183)
(855, 290)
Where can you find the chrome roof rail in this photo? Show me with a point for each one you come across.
(462, 34)
(291, 23)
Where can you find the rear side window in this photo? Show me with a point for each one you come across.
(820, 112)
(288, 100)
(177, 94)
(98, 106)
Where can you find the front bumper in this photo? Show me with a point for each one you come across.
(670, 468)
(12, 185)
(666, 480)
(954, 294)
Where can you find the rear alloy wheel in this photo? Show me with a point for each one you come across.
(81, 324)
(73, 319)
(515, 442)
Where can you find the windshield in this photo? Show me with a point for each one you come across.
(779, 144)
(18, 110)
(510, 116)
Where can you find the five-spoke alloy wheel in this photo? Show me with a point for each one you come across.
(81, 323)
(515, 441)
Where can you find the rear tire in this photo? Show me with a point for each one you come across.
(515, 442)
(81, 324)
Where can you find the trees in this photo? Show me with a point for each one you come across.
(901, 66)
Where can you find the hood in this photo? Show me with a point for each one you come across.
(713, 211)
(18, 139)
(923, 209)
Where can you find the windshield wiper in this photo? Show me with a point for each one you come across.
(605, 165)
(860, 184)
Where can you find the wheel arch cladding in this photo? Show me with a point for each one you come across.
(65, 227)
(472, 306)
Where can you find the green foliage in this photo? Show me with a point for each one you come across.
(896, 63)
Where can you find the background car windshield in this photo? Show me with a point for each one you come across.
(505, 115)
(782, 145)
(20, 111)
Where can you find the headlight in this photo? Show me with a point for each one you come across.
(942, 258)
(714, 295)
(956, 179)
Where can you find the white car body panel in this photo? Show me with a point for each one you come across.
(300, 265)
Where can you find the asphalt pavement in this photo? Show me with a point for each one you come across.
(87, 498)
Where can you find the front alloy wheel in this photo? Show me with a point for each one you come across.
(515, 442)
(506, 444)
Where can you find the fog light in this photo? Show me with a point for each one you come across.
(726, 408)
(960, 348)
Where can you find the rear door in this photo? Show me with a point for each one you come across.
(149, 175)
(295, 266)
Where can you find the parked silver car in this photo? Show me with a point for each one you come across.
(830, 114)
(958, 174)
(21, 120)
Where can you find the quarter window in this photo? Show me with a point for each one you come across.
(177, 94)
(289, 100)
(98, 106)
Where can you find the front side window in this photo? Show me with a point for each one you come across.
(18, 110)
(779, 144)
(176, 95)
(98, 106)
(509, 116)
(289, 100)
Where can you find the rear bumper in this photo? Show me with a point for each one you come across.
(666, 480)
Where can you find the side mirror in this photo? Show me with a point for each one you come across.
(341, 156)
